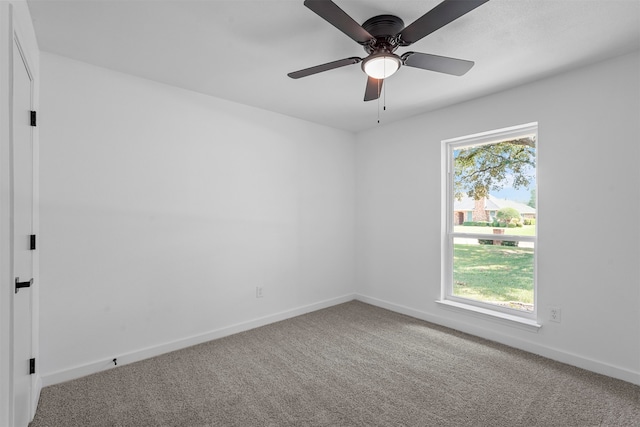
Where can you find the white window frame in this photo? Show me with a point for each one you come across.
(529, 319)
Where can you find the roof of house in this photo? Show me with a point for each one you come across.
(492, 203)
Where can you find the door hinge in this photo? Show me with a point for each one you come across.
(32, 242)
(33, 118)
(32, 366)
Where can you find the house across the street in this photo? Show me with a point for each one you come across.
(485, 209)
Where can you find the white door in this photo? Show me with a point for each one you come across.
(22, 146)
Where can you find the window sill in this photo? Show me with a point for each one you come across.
(503, 318)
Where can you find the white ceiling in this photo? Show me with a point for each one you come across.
(242, 50)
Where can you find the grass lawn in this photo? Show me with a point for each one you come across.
(493, 273)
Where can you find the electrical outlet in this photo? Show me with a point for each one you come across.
(259, 292)
(554, 314)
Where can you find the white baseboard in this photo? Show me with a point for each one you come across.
(135, 356)
(541, 350)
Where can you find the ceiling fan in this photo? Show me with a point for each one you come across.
(383, 34)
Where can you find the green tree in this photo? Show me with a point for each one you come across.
(488, 167)
(532, 200)
(507, 214)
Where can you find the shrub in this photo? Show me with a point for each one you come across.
(485, 242)
(507, 214)
(518, 224)
(468, 223)
(511, 225)
(509, 243)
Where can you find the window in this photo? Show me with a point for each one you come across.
(489, 261)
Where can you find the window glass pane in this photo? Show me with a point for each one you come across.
(494, 187)
(498, 272)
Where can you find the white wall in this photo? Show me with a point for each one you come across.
(163, 209)
(589, 207)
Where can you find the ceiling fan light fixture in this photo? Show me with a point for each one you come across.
(381, 65)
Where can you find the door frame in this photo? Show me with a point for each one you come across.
(14, 28)
(17, 44)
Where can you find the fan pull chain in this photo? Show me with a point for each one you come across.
(384, 101)
(384, 98)
(378, 101)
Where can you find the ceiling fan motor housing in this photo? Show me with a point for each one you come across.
(385, 29)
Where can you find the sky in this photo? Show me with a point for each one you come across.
(522, 194)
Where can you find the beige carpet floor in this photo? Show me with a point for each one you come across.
(348, 365)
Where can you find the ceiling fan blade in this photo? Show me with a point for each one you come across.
(374, 87)
(441, 64)
(438, 17)
(337, 17)
(324, 67)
